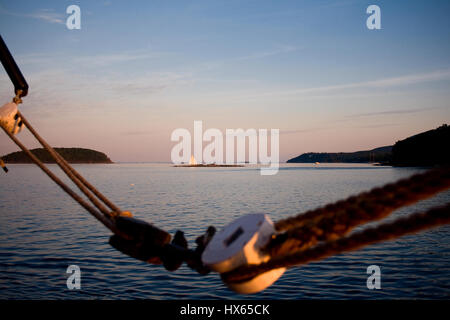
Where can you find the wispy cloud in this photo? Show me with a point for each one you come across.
(149, 83)
(325, 91)
(111, 58)
(376, 125)
(296, 131)
(410, 79)
(390, 112)
(46, 15)
(281, 49)
(346, 90)
(55, 88)
(380, 83)
(91, 60)
(137, 132)
(268, 53)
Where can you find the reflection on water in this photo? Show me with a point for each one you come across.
(43, 231)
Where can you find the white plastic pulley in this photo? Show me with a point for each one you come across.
(241, 243)
(8, 119)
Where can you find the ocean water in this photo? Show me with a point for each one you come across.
(43, 231)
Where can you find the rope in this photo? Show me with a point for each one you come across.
(74, 175)
(107, 222)
(2, 164)
(335, 220)
(414, 223)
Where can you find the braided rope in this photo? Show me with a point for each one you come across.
(98, 215)
(73, 175)
(411, 224)
(335, 220)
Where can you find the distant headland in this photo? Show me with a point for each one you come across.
(71, 155)
(382, 154)
(429, 148)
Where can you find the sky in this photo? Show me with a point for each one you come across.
(138, 70)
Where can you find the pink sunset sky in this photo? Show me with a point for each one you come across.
(135, 73)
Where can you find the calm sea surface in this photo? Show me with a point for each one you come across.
(43, 231)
